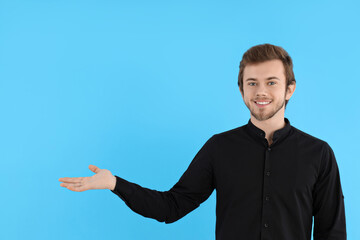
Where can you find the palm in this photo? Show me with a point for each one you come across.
(79, 184)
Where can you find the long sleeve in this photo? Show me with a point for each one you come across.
(328, 200)
(195, 186)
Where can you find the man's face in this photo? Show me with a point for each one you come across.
(265, 82)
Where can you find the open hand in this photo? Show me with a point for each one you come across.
(103, 179)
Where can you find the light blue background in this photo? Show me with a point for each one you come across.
(138, 88)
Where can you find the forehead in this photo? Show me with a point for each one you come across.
(264, 69)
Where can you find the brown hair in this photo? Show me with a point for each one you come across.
(264, 52)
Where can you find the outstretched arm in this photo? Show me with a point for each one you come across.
(194, 187)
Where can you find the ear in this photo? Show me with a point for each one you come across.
(290, 90)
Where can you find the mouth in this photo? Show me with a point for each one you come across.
(262, 104)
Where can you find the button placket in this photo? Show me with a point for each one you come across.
(267, 215)
(267, 198)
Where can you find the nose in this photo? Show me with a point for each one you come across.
(261, 90)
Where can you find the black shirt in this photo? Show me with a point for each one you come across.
(262, 192)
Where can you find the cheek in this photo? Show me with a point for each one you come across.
(248, 92)
(279, 93)
(247, 97)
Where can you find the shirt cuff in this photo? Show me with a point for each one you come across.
(124, 189)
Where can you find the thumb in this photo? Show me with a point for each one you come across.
(94, 168)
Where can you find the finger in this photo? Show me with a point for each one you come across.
(71, 184)
(94, 168)
(74, 187)
(71, 180)
(78, 188)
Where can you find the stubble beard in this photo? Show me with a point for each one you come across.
(264, 114)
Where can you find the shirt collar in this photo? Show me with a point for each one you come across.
(278, 134)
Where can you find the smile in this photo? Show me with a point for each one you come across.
(262, 104)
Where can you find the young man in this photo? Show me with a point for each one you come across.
(270, 177)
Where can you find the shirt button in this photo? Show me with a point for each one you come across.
(267, 198)
(269, 149)
(266, 225)
(268, 173)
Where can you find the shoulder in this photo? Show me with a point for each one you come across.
(228, 136)
(308, 138)
(234, 132)
(315, 145)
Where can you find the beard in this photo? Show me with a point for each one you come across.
(262, 114)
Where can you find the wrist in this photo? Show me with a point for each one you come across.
(112, 183)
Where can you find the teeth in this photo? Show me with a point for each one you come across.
(262, 102)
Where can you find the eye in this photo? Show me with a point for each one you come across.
(253, 82)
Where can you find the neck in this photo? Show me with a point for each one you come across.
(270, 125)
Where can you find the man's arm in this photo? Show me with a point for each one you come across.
(328, 200)
(194, 187)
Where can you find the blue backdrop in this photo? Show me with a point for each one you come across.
(138, 88)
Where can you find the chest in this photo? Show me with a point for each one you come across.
(290, 170)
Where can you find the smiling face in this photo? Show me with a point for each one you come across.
(266, 82)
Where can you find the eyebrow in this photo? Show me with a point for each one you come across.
(269, 78)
